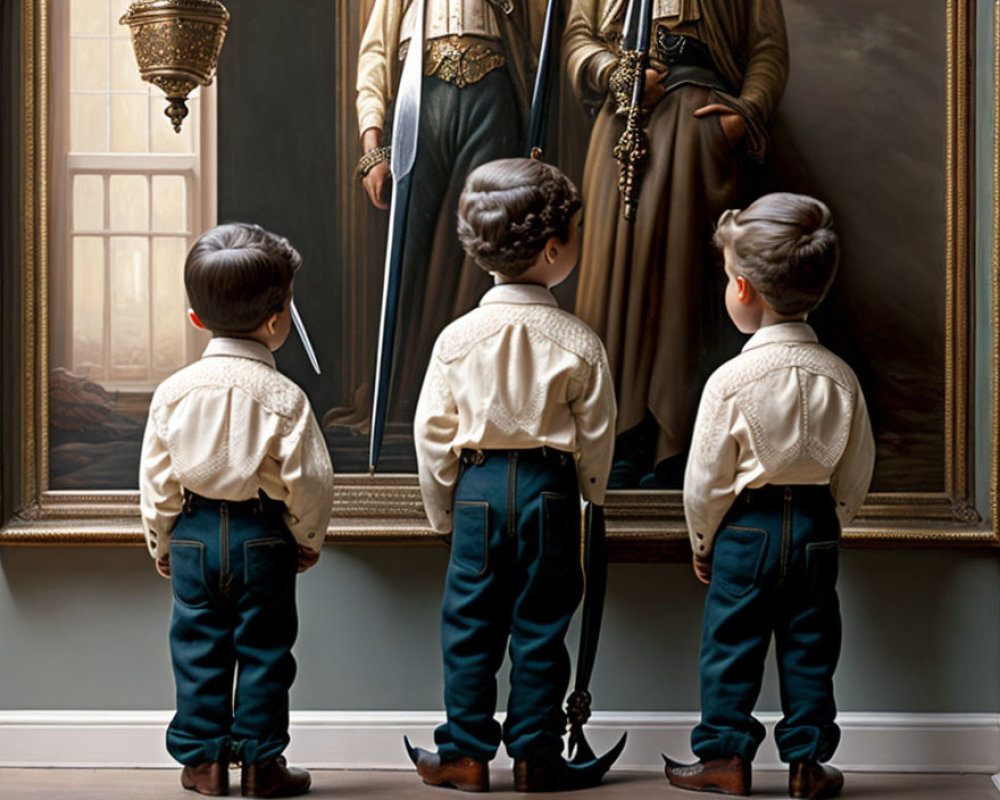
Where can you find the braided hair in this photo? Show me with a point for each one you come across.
(510, 208)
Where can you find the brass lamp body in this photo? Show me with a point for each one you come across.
(177, 45)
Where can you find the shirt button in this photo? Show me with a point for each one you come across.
(312, 535)
(447, 511)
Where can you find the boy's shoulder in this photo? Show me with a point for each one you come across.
(753, 365)
(558, 326)
(261, 382)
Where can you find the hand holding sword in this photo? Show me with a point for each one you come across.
(629, 87)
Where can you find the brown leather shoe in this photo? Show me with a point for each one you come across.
(724, 775)
(463, 773)
(274, 778)
(814, 780)
(209, 777)
(552, 775)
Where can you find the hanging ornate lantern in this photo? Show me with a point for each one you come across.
(177, 45)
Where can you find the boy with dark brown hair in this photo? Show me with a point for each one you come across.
(236, 488)
(514, 422)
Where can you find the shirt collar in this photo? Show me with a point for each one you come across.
(531, 293)
(239, 348)
(782, 333)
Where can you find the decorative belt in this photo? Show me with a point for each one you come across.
(678, 49)
(460, 60)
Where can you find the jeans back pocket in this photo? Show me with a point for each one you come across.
(269, 565)
(561, 532)
(822, 564)
(737, 558)
(470, 537)
(187, 573)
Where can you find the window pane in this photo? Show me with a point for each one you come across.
(88, 64)
(164, 138)
(129, 203)
(169, 317)
(88, 203)
(88, 17)
(170, 203)
(118, 8)
(88, 305)
(128, 123)
(129, 307)
(88, 121)
(124, 70)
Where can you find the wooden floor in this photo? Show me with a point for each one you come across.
(81, 784)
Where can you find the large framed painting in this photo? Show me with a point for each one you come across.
(876, 119)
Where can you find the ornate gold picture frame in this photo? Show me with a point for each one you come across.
(386, 509)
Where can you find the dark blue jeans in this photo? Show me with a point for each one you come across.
(774, 571)
(515, 574)
(233, 569)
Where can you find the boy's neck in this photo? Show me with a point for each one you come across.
(503, 280)
(771, 317)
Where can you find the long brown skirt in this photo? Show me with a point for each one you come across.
(643, 284)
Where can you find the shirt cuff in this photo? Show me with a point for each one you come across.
(371, 119)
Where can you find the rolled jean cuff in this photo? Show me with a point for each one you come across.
(726, 745)
(809, 744)
(191, 751)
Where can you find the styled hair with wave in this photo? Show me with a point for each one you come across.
(238, 275)
(510, 208)
(785, 246)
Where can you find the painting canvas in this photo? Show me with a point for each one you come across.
(863, 124)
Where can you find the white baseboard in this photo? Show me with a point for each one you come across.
(374, 740)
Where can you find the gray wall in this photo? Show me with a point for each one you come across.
(85, 628)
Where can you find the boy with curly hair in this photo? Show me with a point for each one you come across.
(515, 420)
(782, 456)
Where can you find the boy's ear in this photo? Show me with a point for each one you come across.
(271, 324)
(743, 289)
(552, 249)
(195, 321)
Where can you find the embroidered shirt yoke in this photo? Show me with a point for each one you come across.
(515, 373)
(784, 411)
(226, 426)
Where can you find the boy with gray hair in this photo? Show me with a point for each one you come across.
(782, 456)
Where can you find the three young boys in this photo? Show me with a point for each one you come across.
(514, 422)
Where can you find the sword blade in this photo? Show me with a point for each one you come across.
(538, 118)
(387, 321)
(300, 328)
(405, 126)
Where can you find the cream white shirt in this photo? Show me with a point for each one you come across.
(223, 428)
(784, 411)
(515, 373)
(452, 18)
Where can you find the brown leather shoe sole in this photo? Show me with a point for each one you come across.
(813, 781)
(465, 774)
(722, 776)
(210, 779)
